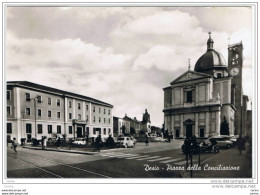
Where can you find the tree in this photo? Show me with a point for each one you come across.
(224, 127)
(132, 131)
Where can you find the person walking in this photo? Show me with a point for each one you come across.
(44, 143)
(58, 143)
(14, 144)
(147, 141)
(98, 143)
(240, 144)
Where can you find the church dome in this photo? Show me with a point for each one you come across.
(211, 59)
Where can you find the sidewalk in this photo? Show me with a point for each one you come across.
(226, 158)
(61, 150)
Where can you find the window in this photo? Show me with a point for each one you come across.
(49, 113)
(58, 129)
(28, 128)
(99, 110)
(109, 120)
(28, 111)
(79, 106)
(104, 120)
(49, 129)
(39, 112)
(27, 96)
(105, 131)
(9, 127)
(39, 99)
(70, 115)
(99, 119)
(109, 131)
(87, 117)
(70, 104)
(8, 95)
(49, 101)
(58, 102)
(104, 111)
(108, 112)
(189, 96)
(218, 75)
(70, 129)
(39, 127)
(58, 114)
(8, 110)
(79, 116)
(87, 107)
(94, 131)
(94, 119)
(94, 109)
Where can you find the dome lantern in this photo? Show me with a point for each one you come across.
(210, 43)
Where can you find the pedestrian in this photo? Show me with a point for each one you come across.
(147, 141)
(98, 143)
(240, 144)
(58, 143)
(44, 143)
(70, 143)
(187, 149)
(14, 144)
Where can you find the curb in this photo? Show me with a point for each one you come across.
(68, 151)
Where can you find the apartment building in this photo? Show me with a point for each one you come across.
(35, 110)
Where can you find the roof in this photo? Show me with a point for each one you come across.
(35, 86)
(193, 75)
(210, 59)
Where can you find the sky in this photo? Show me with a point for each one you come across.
(124, 56)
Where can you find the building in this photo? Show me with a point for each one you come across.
(35, 110)
(120, 126)
(208, 100)
(135, 125)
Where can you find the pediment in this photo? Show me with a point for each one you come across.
(190, 75)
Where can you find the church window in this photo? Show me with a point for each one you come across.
(218, 75)
(189, 96)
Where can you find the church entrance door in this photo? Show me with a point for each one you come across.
(188, 131)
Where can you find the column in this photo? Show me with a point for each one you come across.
(172, 125)
(181, 95)
(182, 133)
(196, 124)
(207, 124)
(218, 122)
(207, 92)
(197, 94)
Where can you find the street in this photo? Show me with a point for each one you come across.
(158, 160)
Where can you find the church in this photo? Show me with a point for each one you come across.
(208, 100)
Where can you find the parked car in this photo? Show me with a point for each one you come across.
(79, 141)
(160, 139)
(223, 141)
(125, 142)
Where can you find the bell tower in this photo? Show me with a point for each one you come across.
(235, 64)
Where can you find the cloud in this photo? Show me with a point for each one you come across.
(121, 55)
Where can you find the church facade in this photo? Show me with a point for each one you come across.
(208, 100)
